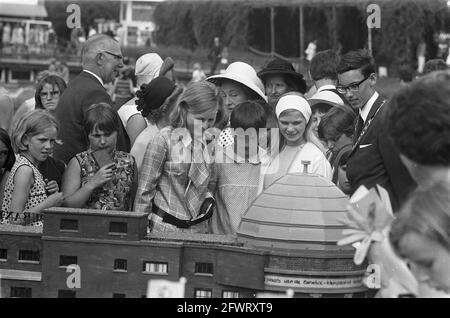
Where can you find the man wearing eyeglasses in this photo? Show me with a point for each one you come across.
(101, 60)
(374, 158)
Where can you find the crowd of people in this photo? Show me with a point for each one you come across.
(196, 157)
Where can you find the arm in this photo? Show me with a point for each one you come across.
(77, 194)
(23, 181)
(135, 125)
(151, 170)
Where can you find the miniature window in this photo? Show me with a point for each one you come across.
(203, 268)
(202, 293)
(156, 267)
(118, 227)
(117, 295)
(68, 225)
(29, 256)
(230, 294)
(63, 293)
(21, 292)
(66, 260)
(3, 254)
(120, 264)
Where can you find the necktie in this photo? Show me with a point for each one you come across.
(358, 128)
(198, 176)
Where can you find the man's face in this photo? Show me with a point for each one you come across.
(358, 89)
(112, 62)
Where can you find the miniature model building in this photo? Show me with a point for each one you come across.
(286, 240)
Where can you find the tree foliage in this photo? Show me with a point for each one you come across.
(403, 25)
(196, 24)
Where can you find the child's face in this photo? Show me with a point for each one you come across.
(41, 146)
(203, 121)
(315, 121)
(3, 154)
(429, 260)
(99, 140)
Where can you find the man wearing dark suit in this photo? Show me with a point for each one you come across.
(374, 158)
(101, 61)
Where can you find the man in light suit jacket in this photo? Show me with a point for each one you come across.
(101, 61)
(374, 158)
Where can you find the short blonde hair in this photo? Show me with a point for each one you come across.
(198, 98)
(31, 124)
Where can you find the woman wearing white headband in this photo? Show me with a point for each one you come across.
(296, 146)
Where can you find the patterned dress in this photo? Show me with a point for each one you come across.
(115, 194)
(36, 196)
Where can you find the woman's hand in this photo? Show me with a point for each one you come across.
(51, 186)
(104, 175)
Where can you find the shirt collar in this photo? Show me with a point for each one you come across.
(324, 87)
(96, 76)
(364, 112)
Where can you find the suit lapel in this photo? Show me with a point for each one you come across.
(373, 111)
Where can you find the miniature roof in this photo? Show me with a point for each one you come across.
(298, 212)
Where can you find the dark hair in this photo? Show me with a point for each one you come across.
(434, 65)
(339, 120)
(249, 114)
(293, 85)
(354, 60)
(323, 65)
(103, 117)
(427, 214)
(406, 73)
(11, 158)
(53, 80)
(321, 107)
(418, 119)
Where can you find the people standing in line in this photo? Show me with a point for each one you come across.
(7, 160)
(279, 77)
(374, 159)
(295, 147)
(237, 174)
(101, 177)
(238, 84)
(418, 121)
(101, 60)
(174, 181)
(155, 102)
(26, 191)
(148, 67)
(215, 55)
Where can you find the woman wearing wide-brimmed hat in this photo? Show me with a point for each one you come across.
(280, 77)
(238, 84)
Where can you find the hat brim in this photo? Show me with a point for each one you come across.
(240, 80)
(297, 77)
(313, 102)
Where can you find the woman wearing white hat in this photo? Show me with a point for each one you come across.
(238, 84)
(296, 147)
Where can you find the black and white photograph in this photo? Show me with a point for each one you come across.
(219, 149)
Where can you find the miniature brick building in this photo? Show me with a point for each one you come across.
(287, 239)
